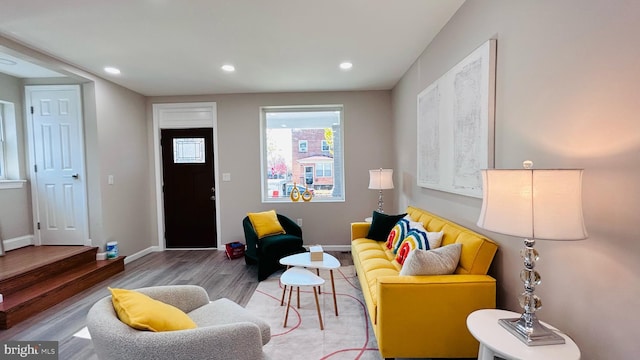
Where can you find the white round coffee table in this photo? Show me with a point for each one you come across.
(497, 341)
(297, 276)
(328, 262)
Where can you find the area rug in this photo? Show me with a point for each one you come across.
(348, 336)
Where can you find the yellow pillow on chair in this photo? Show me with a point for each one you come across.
(265, 223)
(144, 313)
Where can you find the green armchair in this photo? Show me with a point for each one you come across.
(268, 251)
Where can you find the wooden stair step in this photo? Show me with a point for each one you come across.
(52, 290)
(48, 262)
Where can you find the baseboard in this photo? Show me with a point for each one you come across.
(18, 242)
(151, 249)
(140, 254)
(332, 247)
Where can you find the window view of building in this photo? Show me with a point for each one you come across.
(302, 146)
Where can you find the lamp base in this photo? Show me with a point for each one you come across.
(537, 335)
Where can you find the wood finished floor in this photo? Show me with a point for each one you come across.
(212, 270)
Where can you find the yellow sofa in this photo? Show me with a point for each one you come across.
(425, 316)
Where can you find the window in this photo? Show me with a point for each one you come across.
(188, 151)
(323, 170)
(302, 146)
(2, 160)
(9, 160)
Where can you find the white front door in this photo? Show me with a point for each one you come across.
(57, 158)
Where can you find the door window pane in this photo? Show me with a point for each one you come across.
(188, 151)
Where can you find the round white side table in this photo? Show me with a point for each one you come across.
(328, 262)
(298, 277)
(497, 341)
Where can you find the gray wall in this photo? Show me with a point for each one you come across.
(116, 143)
(567, 97)
(15, 204)
(367, 125)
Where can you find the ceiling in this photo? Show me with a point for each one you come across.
(170, 47)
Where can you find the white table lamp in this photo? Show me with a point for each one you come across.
(380, 179)
(534, 204)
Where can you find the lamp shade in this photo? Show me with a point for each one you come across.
(381, 179)
(532, 203)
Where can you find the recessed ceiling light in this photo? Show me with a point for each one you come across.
(4, 61)
(228, 68)
(112, 70)
(346, 65)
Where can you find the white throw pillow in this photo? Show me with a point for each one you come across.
(440, 261)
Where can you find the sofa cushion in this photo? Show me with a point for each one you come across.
(381, 225)
(440, 261)
(265, 223)
(144, 313)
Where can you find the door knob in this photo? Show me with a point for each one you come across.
(75, 176)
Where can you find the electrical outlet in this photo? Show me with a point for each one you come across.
(299, 221)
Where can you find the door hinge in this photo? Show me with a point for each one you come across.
(32, 110)
(35, 167)
(38, 225)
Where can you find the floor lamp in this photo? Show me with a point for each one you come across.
(534, 204)
(380, 179)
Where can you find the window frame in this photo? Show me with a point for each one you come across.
(3, 160)
(337, 150)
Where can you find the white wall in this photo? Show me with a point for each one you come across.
(367, 125)
(567, 97)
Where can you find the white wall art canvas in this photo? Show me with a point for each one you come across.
(456, 125)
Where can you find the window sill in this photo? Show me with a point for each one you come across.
(12, 184)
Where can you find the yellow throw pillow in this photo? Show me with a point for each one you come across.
(265, 223)
(144, 313)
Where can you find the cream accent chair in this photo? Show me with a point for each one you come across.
(225, 329)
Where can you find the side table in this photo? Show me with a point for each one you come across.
(328, 262)
(297, 277)
(497, 341)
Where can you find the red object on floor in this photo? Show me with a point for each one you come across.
(234, 250)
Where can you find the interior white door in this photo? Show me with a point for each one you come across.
(58, 177)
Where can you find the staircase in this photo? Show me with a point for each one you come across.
(35, 278)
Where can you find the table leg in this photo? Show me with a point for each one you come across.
(318, 273)
(333, 287)
(298, 297)
(284, 291)
(485, 353)
(286, 314)
(315, 294)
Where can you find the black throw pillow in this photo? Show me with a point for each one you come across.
(381, 225)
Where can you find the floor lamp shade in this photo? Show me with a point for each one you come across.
(534, 204)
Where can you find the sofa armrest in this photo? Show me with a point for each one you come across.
(359, 230)
(427, 314)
